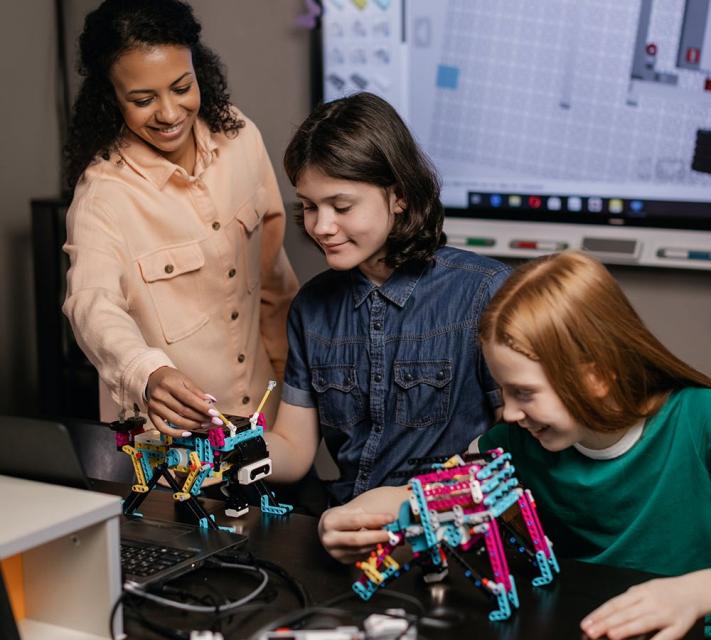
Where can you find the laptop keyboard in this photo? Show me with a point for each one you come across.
(145, 559)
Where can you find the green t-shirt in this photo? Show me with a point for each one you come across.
(648, 509)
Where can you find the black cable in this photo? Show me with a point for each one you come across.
(402, 596)
(347, 595)
(387, 593)
(112, 615)
(166, 632)
(245, 557)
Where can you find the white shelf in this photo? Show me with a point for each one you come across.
(70, 545)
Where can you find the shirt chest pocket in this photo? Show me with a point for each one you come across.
(249, 216)
(174, 281)
(339, 400)
(422, 392)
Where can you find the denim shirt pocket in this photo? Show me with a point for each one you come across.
(422, 389)
(175, 282)
(340, 402)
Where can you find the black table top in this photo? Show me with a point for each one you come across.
(292, 542)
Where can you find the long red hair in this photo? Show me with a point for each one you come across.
(568, 313)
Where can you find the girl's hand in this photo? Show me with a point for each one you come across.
(349, 533)
(173, 397)
(669, 606)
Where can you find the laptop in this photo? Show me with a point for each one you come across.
(152, 551)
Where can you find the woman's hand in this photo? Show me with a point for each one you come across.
(349, 533)
(669, 606)
(173, 397)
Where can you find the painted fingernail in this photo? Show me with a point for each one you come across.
(186, 434)
(217, 421)
(210, 397)
(213, 412)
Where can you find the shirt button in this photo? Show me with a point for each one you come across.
(440, 374)
(245, 400)
(378, 326)
(408, 377)
(234, 315)
(377, 377)
(232, 273)
(241, 357)
(378, 428)
(216, 225)
(169, 268)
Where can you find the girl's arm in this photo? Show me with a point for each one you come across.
(292, 442)
(667, 605)
(351, 531)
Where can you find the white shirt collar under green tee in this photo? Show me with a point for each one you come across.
(623, 445)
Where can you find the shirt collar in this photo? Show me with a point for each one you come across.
(397, 288)
(623, 445)
(153, 166)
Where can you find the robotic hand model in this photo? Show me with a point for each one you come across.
(464, 503)
(232, 449)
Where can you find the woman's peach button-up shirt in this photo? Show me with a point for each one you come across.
(169, 269)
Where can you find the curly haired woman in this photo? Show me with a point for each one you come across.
(179, 286)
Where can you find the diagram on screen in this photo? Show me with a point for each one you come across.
(533, 94)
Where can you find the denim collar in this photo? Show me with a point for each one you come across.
(397, 288)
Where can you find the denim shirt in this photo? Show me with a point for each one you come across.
(394, 371)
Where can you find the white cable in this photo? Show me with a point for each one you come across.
(138, 591)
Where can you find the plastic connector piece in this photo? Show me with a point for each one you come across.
(206, 635)
(392, 625)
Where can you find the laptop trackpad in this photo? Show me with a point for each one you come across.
(179, 535)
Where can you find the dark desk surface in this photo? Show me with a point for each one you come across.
(292, 542)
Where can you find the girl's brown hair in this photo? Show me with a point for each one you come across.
(362, 138)
(568, 313)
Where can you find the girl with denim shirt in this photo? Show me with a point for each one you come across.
(383, 361)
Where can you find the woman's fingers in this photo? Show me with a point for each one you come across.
(191, 397)
(160, 424)
(176, 398)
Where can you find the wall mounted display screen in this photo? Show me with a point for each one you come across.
(555, 124)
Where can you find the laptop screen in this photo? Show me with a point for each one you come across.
(40, 450)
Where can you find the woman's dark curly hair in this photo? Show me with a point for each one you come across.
(362, 138)
(116, 27)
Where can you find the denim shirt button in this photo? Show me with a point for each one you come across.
(378, 428)
(408, 377)
(377, 326)
(377, 377)
(321, 381)
(440, 374)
